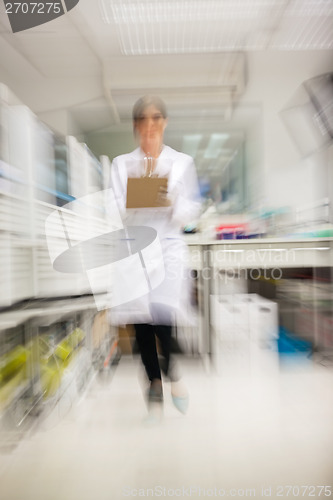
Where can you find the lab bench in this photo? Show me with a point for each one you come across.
(261, 266)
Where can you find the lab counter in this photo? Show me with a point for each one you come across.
(259, 253)
(253, 262)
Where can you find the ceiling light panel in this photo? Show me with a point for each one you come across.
(305, 24)
(171, 26)
(142, 11)
(215, 145)
(191, 144)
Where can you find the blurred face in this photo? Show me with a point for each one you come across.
(150, 128)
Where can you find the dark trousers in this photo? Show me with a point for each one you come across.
(145, 336)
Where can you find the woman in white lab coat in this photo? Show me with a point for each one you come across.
(179, 204)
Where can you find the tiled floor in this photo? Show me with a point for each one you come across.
(243, 432)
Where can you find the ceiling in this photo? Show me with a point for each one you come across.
(93, 63)
(99, 57)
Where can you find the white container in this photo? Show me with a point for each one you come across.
(244, 316)
(244, 333)
(262, 317)
(229, 318)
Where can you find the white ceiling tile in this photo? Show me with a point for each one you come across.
(170, 26)
(140, 45)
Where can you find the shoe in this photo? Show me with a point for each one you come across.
(181, 403)
(155, 403)
(155, 392)
(155, 415)
(179, 396)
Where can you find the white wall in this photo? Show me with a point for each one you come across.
(276, 174)
(111, 143)
(273, 77)
(62, 122)
(254, 161)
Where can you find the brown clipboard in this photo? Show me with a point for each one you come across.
(143, 192)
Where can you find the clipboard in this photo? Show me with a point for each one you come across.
(142, 192)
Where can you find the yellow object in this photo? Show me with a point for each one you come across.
(50, 378)
(77, 336)
(63, 350)
(12, 362)
(8, 390)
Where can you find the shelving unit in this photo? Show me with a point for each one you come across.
(47, 338)
(270, 258)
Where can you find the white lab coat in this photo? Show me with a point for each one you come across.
(173, 294)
